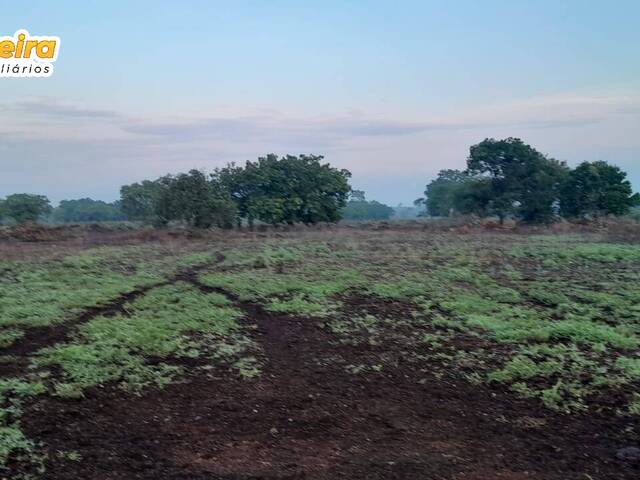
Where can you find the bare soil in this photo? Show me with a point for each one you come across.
(305, 417)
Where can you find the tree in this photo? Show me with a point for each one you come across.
(87, 210)
(358, 208)
(440, 193)
(139, 200)
(26, 208)
(194, 199)
(524, 182)
(286, 189)
(597, 188)
(473, 196)
(455, 191)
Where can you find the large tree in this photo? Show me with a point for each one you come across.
(286, 189)
(597, 188)
(195, 200)
(139, 200)
(25, 208)
(524, 182)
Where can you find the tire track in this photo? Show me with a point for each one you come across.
(37, 338)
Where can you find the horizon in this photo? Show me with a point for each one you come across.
(391, 93)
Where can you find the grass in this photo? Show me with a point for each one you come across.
(560, 311)
(146, 345)
(39, 294)
(171, 322)
(554, 319)
(285, 283)
(13, 443)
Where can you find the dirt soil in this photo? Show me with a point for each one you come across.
(307, 418)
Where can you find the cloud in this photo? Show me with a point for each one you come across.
(61, 147)
(53, 108)
(197, 129)
(543, 112)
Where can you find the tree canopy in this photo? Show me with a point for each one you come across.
(139, 200)
(524, 182)
(194, 199)
(509, 178)
(286, 189)
(87, 210)
(25, 207)
(273, 190)
(457, 191)
(597, 188)
(503, 178)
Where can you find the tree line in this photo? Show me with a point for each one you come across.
(510, 179)
(504, 178)
(273, 190)
(359, 208)
(28, 208)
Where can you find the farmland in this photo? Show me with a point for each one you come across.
(321, 353)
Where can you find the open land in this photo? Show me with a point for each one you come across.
(320, 354)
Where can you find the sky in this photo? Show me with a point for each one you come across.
(392, 91)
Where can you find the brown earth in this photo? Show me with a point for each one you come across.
(305, 417)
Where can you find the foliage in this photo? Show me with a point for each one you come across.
(358, 208)
(193, 199)
(13, 442)
(457, 192)
(87, 210)
(139, 200)
(441, 193)
(524, 182)
(597, 188)
(24, 207)
(273, 190)
(509, 178)
(287, 190)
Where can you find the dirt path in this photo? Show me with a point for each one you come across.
(306, 417)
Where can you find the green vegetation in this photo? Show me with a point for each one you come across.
(172, 322)
(358, 208)
(553, 319)
(87, 210)
(38, 294)
(508, 178)
(24, 207)
(194, 200)
(274, 190)
(144, 342)
(13, 443)
(504, 178)
(281, 280)
(287, 190)
(597, 188)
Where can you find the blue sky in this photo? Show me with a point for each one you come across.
(393, 91)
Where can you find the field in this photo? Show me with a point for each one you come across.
(321, 354)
